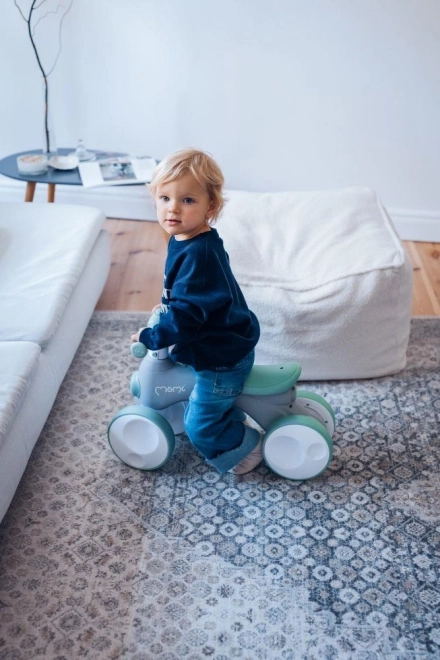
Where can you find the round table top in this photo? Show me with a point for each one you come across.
(8, 167)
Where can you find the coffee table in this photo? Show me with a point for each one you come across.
(8, 167)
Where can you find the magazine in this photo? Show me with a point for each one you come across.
(116, 171)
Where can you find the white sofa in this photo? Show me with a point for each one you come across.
(54, 262)
(327, 276)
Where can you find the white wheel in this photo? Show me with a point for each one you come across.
(297, 447)
(309, 403)
(141, 438)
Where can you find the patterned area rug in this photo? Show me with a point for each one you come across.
(101, 561)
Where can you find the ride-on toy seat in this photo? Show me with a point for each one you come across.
(298, 426)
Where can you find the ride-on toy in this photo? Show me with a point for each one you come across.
(298, 425)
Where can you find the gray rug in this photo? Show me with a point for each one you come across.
(101, 561)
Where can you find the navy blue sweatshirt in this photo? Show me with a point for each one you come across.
(204, 313)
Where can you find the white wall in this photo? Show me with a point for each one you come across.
(287, 94)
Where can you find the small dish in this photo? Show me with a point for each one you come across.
(32, 164)
(64, 162)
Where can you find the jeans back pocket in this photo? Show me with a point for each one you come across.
(229, 381)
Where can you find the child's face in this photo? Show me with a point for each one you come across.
(183, 207)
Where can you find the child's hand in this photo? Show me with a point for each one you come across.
(155, 308)
(136, 336)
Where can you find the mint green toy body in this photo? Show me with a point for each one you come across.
(297, 425)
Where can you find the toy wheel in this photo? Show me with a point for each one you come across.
(297, 447)
(308, 403)
(141, 438)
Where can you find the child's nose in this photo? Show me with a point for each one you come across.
(174, 205)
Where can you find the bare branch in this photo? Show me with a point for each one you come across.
(59, 37)
(46, 89)
(19, 9)
(43, 17)
(31, 37)
(31, 31)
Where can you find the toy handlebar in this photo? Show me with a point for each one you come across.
(138, 349)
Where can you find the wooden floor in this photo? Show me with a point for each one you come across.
(138, 256)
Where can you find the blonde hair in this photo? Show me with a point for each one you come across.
(201, 166)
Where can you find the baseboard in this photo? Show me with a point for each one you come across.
(412, 225)
(135, 203)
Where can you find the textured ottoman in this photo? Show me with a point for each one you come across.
(327, 276)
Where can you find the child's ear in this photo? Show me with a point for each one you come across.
(211, 210)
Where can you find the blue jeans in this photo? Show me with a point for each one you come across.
(212, 423)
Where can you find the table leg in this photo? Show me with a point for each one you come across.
(50, 192)
(30, 191)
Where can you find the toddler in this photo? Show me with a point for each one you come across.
(204, 315)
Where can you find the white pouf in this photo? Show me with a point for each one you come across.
(327, 277)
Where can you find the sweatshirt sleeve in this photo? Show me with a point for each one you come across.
(199, 287)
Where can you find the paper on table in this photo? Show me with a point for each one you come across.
(117, 171)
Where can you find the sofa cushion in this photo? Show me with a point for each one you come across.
(38, 275)
(18, 361)
(326, 275)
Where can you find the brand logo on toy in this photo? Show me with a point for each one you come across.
(163, 389)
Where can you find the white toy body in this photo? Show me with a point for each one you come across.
(298, 425)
